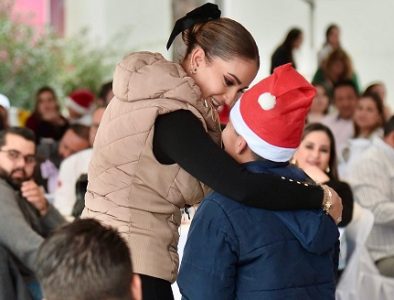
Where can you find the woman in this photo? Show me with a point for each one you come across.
(337, 67)
(380, 89)
(160, 136)
(46, 120)
(368, 116)
(331, 43)
(284, 53)
(316, 155)
(368, 122)
(320, 105)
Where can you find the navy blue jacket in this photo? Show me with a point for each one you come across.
(239, 252)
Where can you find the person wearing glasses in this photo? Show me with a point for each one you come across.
(26, 217)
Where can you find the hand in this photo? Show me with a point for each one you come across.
(336, 208)
(35, 195)
(316, 173)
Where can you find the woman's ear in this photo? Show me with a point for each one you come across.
(197, 59)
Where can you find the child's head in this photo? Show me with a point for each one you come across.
(85, 260)
(269, 119)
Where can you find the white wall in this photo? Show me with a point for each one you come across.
(142, 24)
(367, 28)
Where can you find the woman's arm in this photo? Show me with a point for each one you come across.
(345, 192)
(180, 138)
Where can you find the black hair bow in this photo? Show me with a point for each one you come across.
(204, 13)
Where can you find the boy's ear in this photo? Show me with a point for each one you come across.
(136, 290)
(241, 145)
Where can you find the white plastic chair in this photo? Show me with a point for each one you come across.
(361, 279)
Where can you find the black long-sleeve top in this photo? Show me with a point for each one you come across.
(345, 192)
(180, 138)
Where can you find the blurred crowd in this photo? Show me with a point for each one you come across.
(348, 144)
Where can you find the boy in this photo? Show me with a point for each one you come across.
(238, 252)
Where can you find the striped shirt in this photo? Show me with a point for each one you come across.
(372, 180)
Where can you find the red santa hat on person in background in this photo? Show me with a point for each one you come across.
(80, 101)
(271, 115)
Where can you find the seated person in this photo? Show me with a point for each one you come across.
(50, 155)
(79, 105)
(46, 120)
(239, 252)
(85, 260)
(71, 169)
(26, 217)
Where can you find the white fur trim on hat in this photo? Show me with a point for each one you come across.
(256, 143)
(4, 102)
(70, 103)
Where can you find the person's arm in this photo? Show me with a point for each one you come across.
(372, 189)
(50, 217)
(16, 234)
(180, 138)
(346, 194)
(208, 268)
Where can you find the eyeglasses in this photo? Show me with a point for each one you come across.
(15, 155)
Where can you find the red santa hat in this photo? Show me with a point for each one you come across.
(271, 115)
(224, 114)
(80, 100)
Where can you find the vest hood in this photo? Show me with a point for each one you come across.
(143, 75)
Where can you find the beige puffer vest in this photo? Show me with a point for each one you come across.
(128, 188)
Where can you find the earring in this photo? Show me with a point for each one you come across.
(193, 71)
(328, 170)
(293, 161)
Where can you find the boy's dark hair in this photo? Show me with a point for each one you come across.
(25, 133)
(85, 260)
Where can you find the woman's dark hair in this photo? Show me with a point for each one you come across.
(41, 90)
(329, 29)
(332, 163)
(339, 55)
(377, 100)
(291, 37)
(224, 38)
(372, 86)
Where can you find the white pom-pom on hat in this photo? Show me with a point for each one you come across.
(270, 116)
(267, 101)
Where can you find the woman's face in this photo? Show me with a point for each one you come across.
(298, 42)
(46, 103)
(336, 69)
(314, 150)
(366, 115)
(221, 81)
(320, 102)
(333, 37)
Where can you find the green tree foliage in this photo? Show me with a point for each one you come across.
(29, 60)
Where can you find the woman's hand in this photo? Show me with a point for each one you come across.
(335, 210)
(314, 172)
